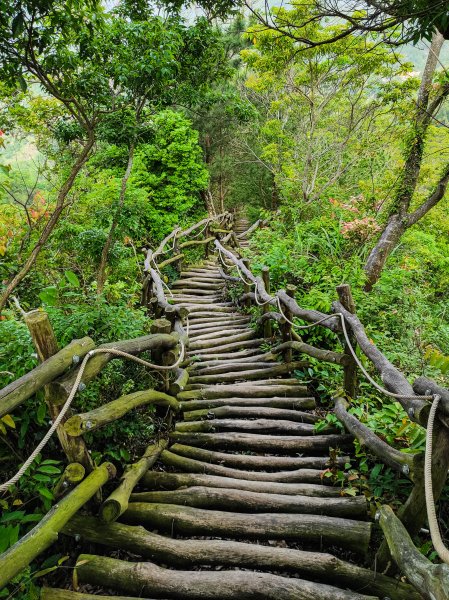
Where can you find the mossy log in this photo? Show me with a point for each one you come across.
(218, 334)
(169, 261)
(266, 443)
(234, 367)
(255, 461)
(256, 383)
(242, 481)
(272, 371)
(112, 411)
(162, 302)
(45, 533)
(423, 386)
(270, 316)
(163, 342)
(405, 463)
(324, 355)
(184, 463)
(182, 379)
(205, 344)
(15, 393)
(313, 529)
(212, 356)
(60, 594)
(251, 412)
(392, 378)
(431, 580)
(288, 403)
(194, 284)
(117, 502)
(258, 425)
(252, 502)
(190, 243)
(245, 391)
(192, 553)
(148, 578)
(73, 474)
(311, 316)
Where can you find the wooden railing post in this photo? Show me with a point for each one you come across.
(246, 286)
(207, 246)
(267, 328)
(46, 345)
(350, 370)
(286, 329)
(161, 326)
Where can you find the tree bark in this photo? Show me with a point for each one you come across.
(101, 274)
(51, 223)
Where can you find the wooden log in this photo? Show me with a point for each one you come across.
(218, 333)
(186, 553)
(116, 504)
(195, 466)
(350, 369)
(267, 328)
(407, 464)
(234, 367)
(271, 315)
(265, 443)
(256, 461)
(147, 578)
(311, 316)
(259, 425)
(244, 391)
(170, 260)
(425, 386)
(228, 347)
(251, 412)
(431, 580)
(286, 328)
(392, 378)
(160, 295)
(15, 393)
(112, 411)
(168, 481)
(324, 355)
(60, 594)
(46, 532)
(73, 474)
(313, 529)
(46, 345)
(190, 243)
(271, 371)
(63, 385)
(289, 403)
(253, 502)
(178, 385)
(194, 284)
(204, 344)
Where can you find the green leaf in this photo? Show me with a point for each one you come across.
(72, 278)
(49, 469)
(49, 295)
(45, 493)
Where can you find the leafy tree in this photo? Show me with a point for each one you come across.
(397, 21)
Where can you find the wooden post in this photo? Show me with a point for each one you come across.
(350, 370)
(161, 326)
(246, 287)
(178, 263)
(286, 329)
(46, 345)
(207, 246)
(267, 328)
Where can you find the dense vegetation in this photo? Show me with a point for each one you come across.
(119, 124)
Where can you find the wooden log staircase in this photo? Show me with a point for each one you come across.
(234, 503)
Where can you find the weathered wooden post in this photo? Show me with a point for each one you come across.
(267, 328)
(246, 286)
(161, 326)
(207, 246)
(46, 345)
(176, 251)
(286, 328)
(349, 370)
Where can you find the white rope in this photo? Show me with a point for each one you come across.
(5, 486)
(435, 534)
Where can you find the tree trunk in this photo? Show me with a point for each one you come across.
(51, 223)
(101, 275)
(399, 219)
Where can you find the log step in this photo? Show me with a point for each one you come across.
(309, 529)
